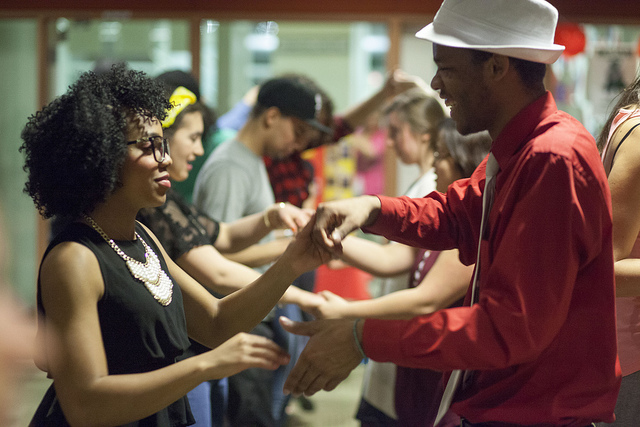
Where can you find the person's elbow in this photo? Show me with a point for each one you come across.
(425, 309)
(224, 243)
(83, 411)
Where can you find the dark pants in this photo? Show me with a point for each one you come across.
(256, 397)
(250, 392)
(628, 405)
(465, 423)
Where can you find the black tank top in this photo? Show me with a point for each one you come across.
(139, 334)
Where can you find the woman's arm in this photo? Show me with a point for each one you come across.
(260, 254)
(625, 197)
(71, 285)
(376, 259)
(446, 282)
(396, 83)
(211, 321)
(219, 274)
(244, 232)
(215, 271)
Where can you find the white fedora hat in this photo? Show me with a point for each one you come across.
(522, 29)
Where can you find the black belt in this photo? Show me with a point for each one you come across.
(465, 423)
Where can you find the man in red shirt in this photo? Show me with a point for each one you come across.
(540, 343)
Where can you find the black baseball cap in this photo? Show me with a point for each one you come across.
(294, 99)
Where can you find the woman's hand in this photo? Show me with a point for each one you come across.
(336, 219)
(307, 301)
(332, 307)
(243, 351)
(305, 253)
(286, 216)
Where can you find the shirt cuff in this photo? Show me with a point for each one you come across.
(381, 339)
(383, 222)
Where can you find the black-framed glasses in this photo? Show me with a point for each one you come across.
(160, 146)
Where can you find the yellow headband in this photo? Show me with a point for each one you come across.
(180, 99)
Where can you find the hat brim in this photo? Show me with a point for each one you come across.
(547, 54)
(322, 128)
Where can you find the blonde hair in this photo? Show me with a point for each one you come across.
(422, 112)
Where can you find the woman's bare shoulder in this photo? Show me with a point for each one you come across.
(70, 271)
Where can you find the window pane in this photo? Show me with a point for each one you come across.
(347, 59)
(152, 46)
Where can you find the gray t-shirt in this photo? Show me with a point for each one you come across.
(232, 184)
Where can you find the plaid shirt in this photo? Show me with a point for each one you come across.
(290, 177)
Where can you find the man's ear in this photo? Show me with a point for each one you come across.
(270, 116)
(497, 66)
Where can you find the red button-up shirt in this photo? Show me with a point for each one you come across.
(542, 338)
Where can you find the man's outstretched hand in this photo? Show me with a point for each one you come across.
(336, 219)
(327, 359)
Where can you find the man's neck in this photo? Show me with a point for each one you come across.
(251, 137)
(512, 105)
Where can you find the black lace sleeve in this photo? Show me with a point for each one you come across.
(179, 226)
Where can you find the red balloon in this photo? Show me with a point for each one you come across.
(572, 37)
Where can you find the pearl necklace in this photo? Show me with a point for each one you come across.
(150, 273)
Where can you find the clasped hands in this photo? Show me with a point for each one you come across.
(331, 352)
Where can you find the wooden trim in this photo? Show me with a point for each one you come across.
(394, 30)
(585, 11)
(194, 46)
(269, 7)
(42, 48)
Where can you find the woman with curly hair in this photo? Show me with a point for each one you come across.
(115, 311)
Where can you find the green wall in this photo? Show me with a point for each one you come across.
(18, 87)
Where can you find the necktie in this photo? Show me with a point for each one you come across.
(487, 201)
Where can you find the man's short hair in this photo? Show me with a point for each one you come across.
(531, 73)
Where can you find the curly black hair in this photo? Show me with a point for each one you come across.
(76, 145)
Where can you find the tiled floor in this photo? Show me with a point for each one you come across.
(331, 409)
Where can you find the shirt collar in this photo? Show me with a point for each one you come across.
(520, 127)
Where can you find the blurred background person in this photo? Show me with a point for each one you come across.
(17, 342)
(619, 143)
(369, 143)
(437, 279)
(234, 183)
(192, 239)
(413, 119)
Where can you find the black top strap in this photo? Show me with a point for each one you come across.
(621, 141)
